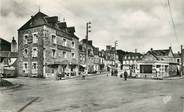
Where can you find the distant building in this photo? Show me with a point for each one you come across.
(129, 61)
(158, 63)
(5, 45)
(177, 57)
(93, 56)
(47, 47)
(8, 57)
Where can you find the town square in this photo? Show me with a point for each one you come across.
(91, 56)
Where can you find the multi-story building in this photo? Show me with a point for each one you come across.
(47, 47)
(111, 58)
(93, 56)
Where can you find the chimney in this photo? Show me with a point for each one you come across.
(90, 42)
(135, 50)
(170, 47)
(13, 45)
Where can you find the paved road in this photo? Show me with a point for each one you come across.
(95, 94)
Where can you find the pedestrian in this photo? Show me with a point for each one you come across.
(121, 75)
(125, 75)
(112, 73)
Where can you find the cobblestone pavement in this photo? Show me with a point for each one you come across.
(95, 94)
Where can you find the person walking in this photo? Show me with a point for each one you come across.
(125, 75)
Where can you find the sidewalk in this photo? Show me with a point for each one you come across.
(173, 78)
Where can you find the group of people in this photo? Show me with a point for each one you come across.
(122, 75)
(125, 75)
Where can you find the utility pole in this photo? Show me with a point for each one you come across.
(181, 67)
(88, 26)
(115, 45)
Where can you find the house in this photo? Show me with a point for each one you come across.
(129, 61)
(158, 63)
(47, 47)
(8, 58)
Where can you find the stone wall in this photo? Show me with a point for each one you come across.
(21, 46)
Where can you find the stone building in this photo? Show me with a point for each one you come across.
(93, 56)
(47, 47)
(158, 63)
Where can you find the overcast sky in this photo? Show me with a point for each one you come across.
(136, 24)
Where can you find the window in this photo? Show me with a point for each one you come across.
(54, 41)
(158, 66)
(35, 37)
(178, 60)
(34, 52)
(125, 57)
(25, 52)
(129, 57)
(64, 42)
(64, 54)
(26, 39)
(73, 55)
(73, 44)
(53, 53)
(34, 67)
(25, 67)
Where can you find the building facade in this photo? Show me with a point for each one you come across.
(47, 47)
(158, 63)
(129, 62)
(92, 58)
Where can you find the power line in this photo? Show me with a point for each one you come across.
(172, 20)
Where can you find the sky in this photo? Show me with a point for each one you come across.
(135, 24)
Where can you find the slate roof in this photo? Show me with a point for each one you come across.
(164, 52)
(40, 19)
(176, 55)
(31, 23)
(133, 54)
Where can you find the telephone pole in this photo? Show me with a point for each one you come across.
(115, 46)
(181, 67)
(88, 26)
